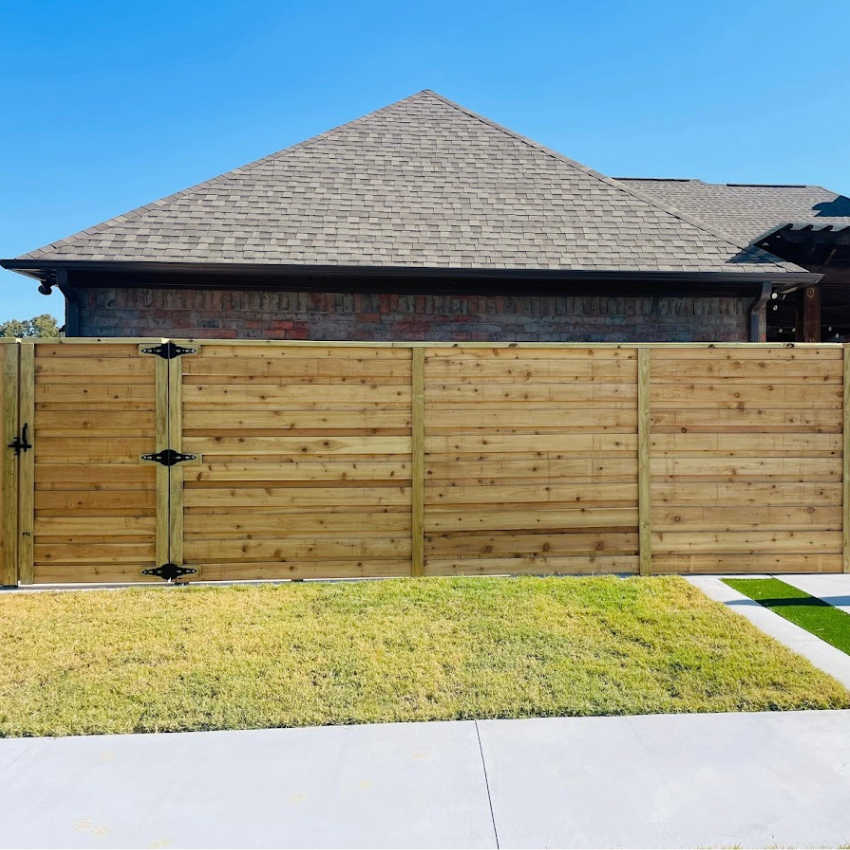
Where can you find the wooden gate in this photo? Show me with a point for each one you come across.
(88, 505)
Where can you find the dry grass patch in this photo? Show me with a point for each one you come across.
(147, 660)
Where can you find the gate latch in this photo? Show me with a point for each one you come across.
(168, 457)
(21, 443)
(169, 350)
(169, 572)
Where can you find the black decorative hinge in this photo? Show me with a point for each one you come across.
(21, 443)
(169, 572)
(168, 457)
(169, 350)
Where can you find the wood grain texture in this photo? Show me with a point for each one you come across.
(26, 464)
(9, 355)
(845, 464)
(96, 507)
(643, 462)
(417, 483)
(747, 460)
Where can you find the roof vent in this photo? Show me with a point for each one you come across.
(659, 179)
(767, 185)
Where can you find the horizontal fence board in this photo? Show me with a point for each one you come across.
(580, 565)
(301, 446)
(581, 443)
(512, 544)
(479, 518)
(722, 519)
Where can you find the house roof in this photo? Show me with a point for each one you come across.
(748, 212)
(422, 183)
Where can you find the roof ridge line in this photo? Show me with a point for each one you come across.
(135, 212)
(609, 181)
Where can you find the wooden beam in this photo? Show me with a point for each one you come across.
(644, 493)
(163, 473)
(417, 488)
(176, 472)
(846, 462)
(26, 468)
(9, 355)
(808, 314)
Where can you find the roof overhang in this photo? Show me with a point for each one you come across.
(260, 275)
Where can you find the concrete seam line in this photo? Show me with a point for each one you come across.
(487, 785)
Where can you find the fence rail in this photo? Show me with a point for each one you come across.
(323, 460)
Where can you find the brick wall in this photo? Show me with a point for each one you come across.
(255, 314)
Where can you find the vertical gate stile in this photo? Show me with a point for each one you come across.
(9, 466)
(417, 447)
(845, 464)
(175, 437)
(644, 478)
(26, 466)
(163, 484)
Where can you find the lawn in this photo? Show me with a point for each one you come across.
(813, 614)
(145, 660)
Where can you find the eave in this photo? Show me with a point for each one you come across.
(271, 275)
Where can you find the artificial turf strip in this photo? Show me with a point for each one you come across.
(144, 660)
(813, 614)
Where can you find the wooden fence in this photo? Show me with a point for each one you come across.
(322, 460)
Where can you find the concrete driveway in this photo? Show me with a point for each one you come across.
(654, 781)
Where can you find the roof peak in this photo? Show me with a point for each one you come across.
(421, 182)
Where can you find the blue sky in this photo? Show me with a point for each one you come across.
(111, 105)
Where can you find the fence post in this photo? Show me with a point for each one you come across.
(845, 464)
(9, 465)
(417, 471)
(644, 494)
(26, 469)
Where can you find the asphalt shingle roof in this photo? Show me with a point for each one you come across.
(747, 212)
(422, 183)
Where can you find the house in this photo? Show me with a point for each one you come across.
(806, 225)
(421, 221)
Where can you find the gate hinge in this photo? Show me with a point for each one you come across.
(168, 457)
(169, 572)
(168, 350)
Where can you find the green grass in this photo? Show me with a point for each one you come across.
(144, 660)
(813, 614)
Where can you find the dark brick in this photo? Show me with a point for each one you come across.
(368, 316)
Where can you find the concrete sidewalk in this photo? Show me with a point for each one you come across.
(656, 781)
(819, 652)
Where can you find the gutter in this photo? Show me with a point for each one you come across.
(42, 270)
(758, 313)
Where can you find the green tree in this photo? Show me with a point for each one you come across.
(44, 325)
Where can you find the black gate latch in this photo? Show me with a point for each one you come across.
(21, 443)
(169, 350)
(169, 572)
(168, 457)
